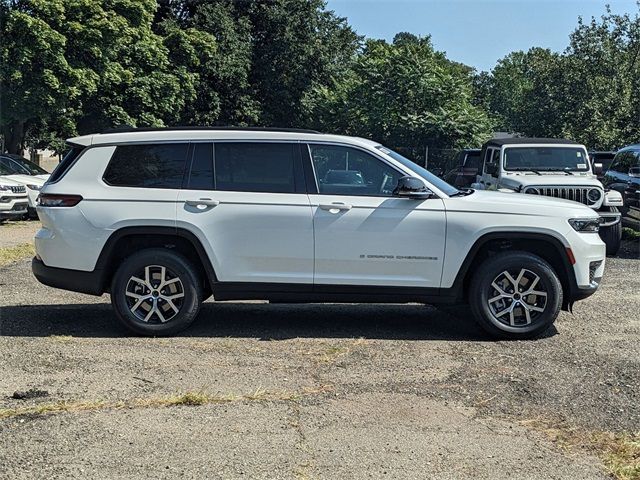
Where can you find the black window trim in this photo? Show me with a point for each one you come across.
(298, 167)
(127, 144)
(314, 178)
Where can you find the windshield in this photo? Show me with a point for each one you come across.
(27, 166)
(5, 171)
(573, 159)
(420, 171)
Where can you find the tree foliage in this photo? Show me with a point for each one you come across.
(591, 92)
(405, 94)
(79, 66)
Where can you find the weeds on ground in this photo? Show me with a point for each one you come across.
(189, 398)
(13, 254)
(619, 452)
(630, 234)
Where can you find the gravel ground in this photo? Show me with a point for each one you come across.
(17, 233)
(312, 391)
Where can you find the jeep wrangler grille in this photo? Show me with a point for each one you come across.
(586, 195)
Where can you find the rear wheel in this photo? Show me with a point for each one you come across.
(156, 292)
(612, 236)
(515, 295)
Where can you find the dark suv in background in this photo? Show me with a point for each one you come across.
(624, 176)
(466, 164)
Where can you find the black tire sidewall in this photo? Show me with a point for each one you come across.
(612, 236)
(176, 263)
(481, 285)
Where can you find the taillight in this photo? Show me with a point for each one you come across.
(58, 200)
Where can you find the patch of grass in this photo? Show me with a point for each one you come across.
(619, 452)
(13, 254)
(630, 234)
(189, 398)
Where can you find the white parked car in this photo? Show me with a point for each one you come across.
(26, 173)
(163, 219)
(555, 168)
(13, 200)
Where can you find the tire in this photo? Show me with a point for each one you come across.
(612, 236)
(140, 302)
(525, 322)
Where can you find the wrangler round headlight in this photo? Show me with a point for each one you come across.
(594, 195)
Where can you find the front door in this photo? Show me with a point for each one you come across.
(248, 205)
(364, 235)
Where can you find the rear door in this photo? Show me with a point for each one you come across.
(247, 203)
(363, 234)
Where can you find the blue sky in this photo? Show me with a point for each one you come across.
(480, 32)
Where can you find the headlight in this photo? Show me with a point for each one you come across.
(3, 188)
(532, 191)
(594, 195)
(34, 187)
(585, 224)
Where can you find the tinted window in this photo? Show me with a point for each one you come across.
(255, 167)
(201, 173)
(472, 160)
(66, 163)
(349, 171)
(624, 161)
(150, 166)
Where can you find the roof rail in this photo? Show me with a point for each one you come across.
(128, 128)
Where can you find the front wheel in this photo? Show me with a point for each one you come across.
(156, 292)
(612, 236)
(515, 295)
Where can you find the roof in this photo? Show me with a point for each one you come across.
(213, 134)
(634, 147)
(499, 142)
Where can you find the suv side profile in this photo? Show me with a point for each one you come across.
(163, 219)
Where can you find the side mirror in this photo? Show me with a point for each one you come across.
(411, 187)
(597, 169)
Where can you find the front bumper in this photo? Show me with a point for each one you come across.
(12, 207)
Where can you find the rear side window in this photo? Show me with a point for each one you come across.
(149, 166)
(64, 166)
(255, 167)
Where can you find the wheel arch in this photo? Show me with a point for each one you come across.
(123, 241)
(544, 245)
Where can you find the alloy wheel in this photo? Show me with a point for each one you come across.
(155, 294)
(517, 298)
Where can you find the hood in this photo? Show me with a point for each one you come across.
(26, 179)
(44, 176)
(5, 180)
(516, 203)
(524, 179)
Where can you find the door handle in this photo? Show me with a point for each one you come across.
(207, 202)
(335, 206)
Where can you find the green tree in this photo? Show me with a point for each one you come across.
(404, 94)
(79, 66)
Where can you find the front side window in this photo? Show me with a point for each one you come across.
(349, 171)
(255, 167)
(546, 158)
(149, 166)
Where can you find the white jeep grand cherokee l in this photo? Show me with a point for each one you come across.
(164, 218)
